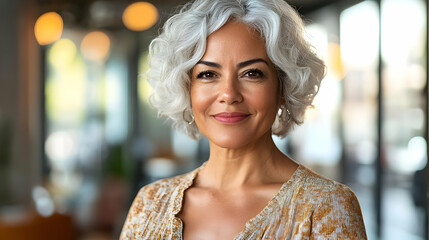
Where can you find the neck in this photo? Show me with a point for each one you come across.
(255, 164)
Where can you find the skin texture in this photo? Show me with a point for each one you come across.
(245, 169)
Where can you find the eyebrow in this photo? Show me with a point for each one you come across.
(210, 64)
(251, 61)
(239, 65)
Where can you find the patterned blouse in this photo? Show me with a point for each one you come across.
(308, 206)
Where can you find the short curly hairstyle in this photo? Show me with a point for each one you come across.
(182, 43)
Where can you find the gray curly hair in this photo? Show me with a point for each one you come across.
(182, 43)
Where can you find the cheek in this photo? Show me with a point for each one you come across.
(264, 98)
(200, 99)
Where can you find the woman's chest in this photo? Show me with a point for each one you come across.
(210, 215)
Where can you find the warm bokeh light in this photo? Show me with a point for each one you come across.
(335, 64)
(95, 46)
(65, 83)
(144, 89)
(140, 16)
(62, 53)
(48, 28)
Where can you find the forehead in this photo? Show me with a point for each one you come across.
(235, 40)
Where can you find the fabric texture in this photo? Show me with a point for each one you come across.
(308, 206)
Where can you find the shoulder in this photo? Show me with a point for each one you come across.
(336, 209)
(321, 188)
(151, 206)
(153, 197)
(162, 189)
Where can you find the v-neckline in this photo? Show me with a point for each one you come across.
(189, 180)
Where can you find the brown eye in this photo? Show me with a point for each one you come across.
(253, 73)
(206, 74)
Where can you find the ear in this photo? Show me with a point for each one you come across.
(280, 91)
(281, 100)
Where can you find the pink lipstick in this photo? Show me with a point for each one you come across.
(230, 117)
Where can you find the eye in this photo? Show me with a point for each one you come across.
(253, 73)
(206, 75)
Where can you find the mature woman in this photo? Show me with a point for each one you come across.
(238, 71)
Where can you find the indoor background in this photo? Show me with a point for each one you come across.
(78, 137)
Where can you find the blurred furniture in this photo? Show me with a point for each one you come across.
(31, 226)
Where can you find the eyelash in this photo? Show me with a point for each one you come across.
(201, 74)
(257, 71)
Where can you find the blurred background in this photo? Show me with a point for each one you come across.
(78, 138)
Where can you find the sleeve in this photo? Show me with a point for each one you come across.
(130, 228)
(338, 216)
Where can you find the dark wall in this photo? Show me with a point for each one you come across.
(19, 98)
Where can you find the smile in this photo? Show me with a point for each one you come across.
(230, 117)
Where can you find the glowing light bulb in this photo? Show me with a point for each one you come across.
(140, 16)
(48, 28)
(95, 46)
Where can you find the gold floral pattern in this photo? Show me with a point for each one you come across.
(308, 206)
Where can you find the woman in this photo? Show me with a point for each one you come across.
(239, 71)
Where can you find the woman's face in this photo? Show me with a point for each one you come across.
(234, 89)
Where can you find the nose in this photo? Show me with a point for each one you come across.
(230, 91)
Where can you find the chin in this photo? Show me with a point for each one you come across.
(234, 140)
(231, 143)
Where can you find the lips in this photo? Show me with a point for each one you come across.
(230, 117)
